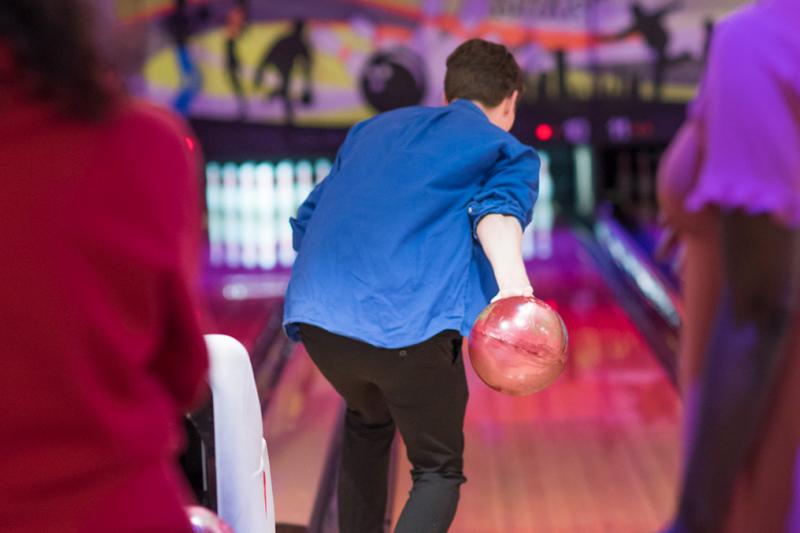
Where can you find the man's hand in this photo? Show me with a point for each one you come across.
(510, 293)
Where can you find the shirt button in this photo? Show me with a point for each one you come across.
(403, 353)
(469, 210)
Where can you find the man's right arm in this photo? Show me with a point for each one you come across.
(501, 239)
(501, 210)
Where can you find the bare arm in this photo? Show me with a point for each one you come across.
(746, 354)
(678, 170)
(677, 174)
(501, 239)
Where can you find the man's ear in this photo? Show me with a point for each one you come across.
(510, 103)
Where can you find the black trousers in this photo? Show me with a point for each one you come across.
(422, 391)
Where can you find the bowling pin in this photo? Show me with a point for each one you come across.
(265, 200)
(321, 169)
(544, 212)
(287, 208)
(214, 208)
(584, 180)
(304, 182)
(248, 230)
(230, 202)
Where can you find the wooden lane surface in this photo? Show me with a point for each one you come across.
(299, 425)
(596, 452)
(242, 320)
(240, 305)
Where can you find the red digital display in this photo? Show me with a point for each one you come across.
(544, 132)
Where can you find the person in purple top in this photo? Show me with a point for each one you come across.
(729, 186)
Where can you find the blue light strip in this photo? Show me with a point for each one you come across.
(625, 254)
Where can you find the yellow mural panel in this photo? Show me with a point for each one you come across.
(161, 70)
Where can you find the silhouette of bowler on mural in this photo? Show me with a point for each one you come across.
(235, 22)
(651, 27)
(180, 26)
(285, 54)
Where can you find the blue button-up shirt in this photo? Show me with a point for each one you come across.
(387, 250)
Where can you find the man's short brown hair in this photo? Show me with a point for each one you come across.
(482, 71)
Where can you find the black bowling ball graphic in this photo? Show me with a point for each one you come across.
(393, 78)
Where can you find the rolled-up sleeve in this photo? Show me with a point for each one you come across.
(511, 188)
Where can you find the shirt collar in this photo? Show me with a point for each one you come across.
(461, 103)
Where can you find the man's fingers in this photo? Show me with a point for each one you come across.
(510, 293)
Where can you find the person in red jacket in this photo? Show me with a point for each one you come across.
(100, 348)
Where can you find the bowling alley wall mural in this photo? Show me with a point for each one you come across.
(330, 63)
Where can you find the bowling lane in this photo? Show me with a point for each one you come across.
(598, 451)
(301, 414)
(241, 305)
(300, 424)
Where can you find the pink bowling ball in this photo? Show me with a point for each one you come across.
(518, 345)
(206, 521)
